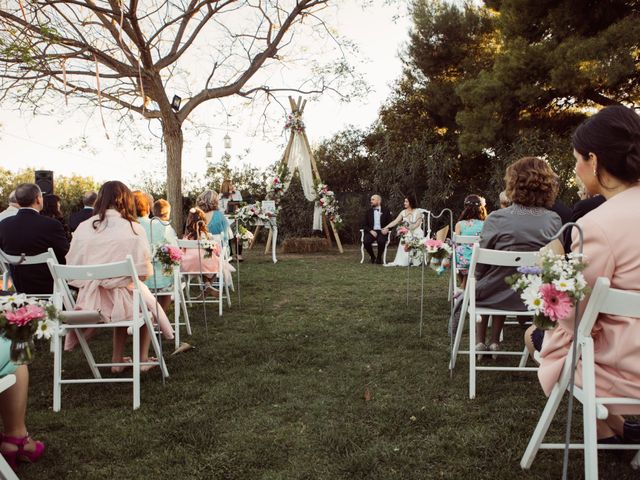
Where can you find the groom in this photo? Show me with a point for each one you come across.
(377, 217)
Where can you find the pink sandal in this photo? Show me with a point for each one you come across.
(21, 454)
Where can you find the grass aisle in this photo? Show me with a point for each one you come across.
(320, 375)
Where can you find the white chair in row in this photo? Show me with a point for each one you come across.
(458, 240)
(178, 295)
(374, 244)
(23, 260)
(6, 472)
(194, 278)
(141, 318)
(603, 300)
(501, 258)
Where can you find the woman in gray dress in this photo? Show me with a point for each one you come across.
(526, 225)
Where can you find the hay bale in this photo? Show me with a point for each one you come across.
(306, 245)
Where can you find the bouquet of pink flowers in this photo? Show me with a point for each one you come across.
(437, 249)
(552, 289)
(22, 318)
(168, 256)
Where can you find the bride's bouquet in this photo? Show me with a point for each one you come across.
(552, 289)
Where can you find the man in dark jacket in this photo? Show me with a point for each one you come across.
(30, 233)
(376, 218)
(76, 218)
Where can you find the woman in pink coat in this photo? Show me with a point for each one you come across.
(109, 236)
(607, 152)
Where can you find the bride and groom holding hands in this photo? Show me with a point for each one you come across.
(378, 223)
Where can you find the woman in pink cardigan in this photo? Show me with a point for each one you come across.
(607, 152)
(109, 236)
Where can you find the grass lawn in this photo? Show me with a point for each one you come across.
(319, 375)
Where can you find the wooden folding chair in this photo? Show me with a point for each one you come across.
(62, 274)
(502, 258)
(608, 301)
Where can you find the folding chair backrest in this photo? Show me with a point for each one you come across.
(465, 239)
(426, 221)
(124, 268)
(609, 301)
(27, 260)
(189, 244)
(501, 258)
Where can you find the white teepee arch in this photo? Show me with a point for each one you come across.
(298, 156)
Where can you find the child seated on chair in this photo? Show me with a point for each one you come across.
(470, 223)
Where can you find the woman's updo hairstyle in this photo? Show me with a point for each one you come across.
(613, 135)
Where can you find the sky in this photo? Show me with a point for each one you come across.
(51, 142)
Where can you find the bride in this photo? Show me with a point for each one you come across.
(411, 217)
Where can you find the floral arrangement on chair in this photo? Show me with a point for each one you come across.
(428, 248)
(552, 289)
(328, 203)
(168, 256)
(22, 318)
(294, 123)
(245, 235)
(250, 214)
(210, 247)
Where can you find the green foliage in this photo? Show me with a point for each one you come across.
(69, 188)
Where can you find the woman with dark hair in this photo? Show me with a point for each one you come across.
(525, 225)
(51, 208)
(109, 236)
(411, 218)
(470, 224)
(607, 152)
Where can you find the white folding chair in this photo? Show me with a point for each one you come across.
(608, 301)
(194, 278)
(6, 471)
(178, 295)
(374, 244)
(62, 274)
(502, 258)
(458, 240)
(22, 260)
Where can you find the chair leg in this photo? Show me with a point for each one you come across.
(361, 252)
(472, 352)
(137, 325)
(458, 338)
(6, 471)
(57, 370)
(185, 312)
(589, 412)
(176, 322)
(524, 358)
(87, 353)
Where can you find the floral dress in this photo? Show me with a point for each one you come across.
(463, 252)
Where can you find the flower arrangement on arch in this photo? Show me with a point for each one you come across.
(552, 289)
(23, 318)
(168, 256)
(328, 203)
(294, 123)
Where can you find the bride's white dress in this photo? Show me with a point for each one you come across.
(414, 222)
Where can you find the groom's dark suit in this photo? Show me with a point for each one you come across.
(369, 225)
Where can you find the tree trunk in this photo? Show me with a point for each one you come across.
(173, 139)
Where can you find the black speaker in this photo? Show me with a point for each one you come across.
(44, 179)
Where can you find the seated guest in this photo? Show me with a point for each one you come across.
(110, 236)
(217, 222)
(607, 151)
(470, 223)
(12, 209)
(560, 208)
(375, 218)
(76, 218)
(16, 445)
(30, 233)
(51, 208)
(526, 225)
(194, 261)
(158, 233)
(206, 201)
(228, 201)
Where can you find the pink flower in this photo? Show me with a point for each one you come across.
(403, 230)
(433, 244)
(557, 305)
(23, 316)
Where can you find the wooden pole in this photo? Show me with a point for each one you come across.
(338, 242)
(255, 237)
(325, 229)
(268, 245)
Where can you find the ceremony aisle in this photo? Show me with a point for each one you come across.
(319, 375)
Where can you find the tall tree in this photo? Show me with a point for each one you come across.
(131, 56)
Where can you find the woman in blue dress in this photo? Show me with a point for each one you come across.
(469, 224)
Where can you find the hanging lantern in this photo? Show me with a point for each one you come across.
(227, 141)
(209, 149)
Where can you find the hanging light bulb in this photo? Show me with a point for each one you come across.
(209, 149)
(227, 141)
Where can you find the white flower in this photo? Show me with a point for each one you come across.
(564, 284)
(45, 329)
(532, 299)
